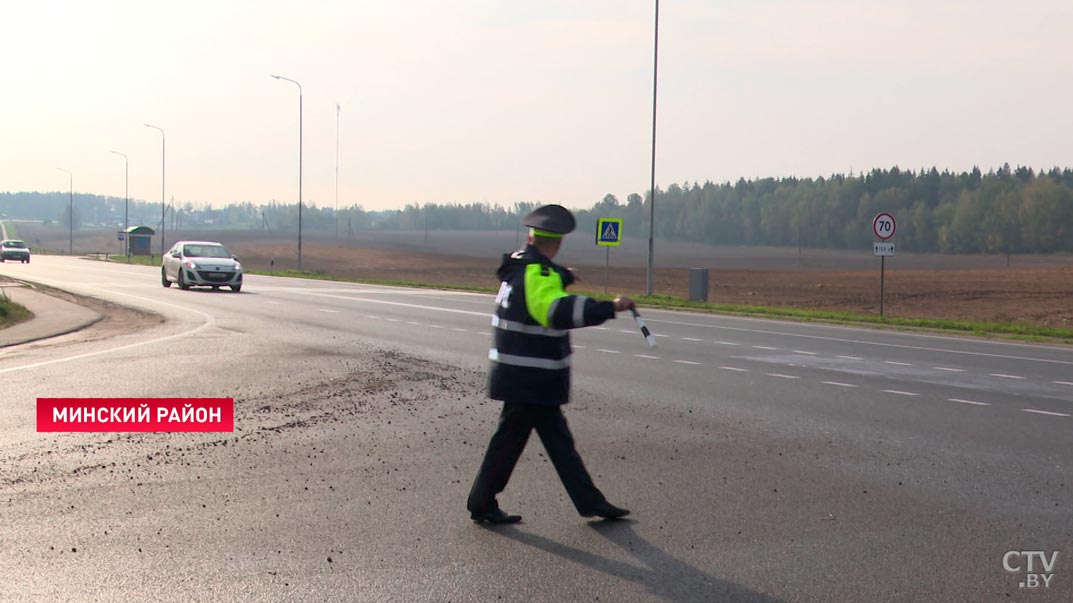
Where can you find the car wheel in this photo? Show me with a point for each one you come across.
(182, 281)
(164, 278)
(236, 288)
(27, 260)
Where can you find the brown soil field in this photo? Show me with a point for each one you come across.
(1029, 289)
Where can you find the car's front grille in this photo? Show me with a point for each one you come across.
(218, 277)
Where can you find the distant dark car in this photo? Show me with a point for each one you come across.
(201, 264)
(13, 249)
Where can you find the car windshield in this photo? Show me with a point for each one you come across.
(205, 251)
(15, 244)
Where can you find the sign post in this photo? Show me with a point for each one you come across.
(883, 226)
(608, 234)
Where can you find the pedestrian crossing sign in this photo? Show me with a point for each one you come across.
(609, 232)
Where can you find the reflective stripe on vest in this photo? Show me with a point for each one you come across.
(579, 310)
(520, 327)
(526, 361)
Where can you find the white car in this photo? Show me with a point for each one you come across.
(201, 264)
(13, 249)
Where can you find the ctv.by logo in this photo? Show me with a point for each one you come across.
(1031, 562)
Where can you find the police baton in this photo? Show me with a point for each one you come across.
(644, 329)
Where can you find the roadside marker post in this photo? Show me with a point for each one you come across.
(644, 329)
(608, 235)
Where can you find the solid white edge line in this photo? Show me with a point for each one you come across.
(1045, 412)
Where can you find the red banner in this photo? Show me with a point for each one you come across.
(135, 414)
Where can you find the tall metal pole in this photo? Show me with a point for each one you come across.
(162, 205)
(280, 77)
(126, 201)
(337, 110)
(652, 188)
(70, 213)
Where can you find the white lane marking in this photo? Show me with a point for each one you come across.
(275, 303)
(899, 392)
(485, 333)
(459, 330)
(850, 357)
(896, 363)
(969, 402)
(764, 347)
(601, 328)
(437, 327)
(649, 357)
(952, 370)
(656, 335)
(393, 320)
(1045, 412)
(608, 351)
(210, 321)
(726, 343)
(782, 376)
(1062, 382)
(372, 317)
(410, 322)
(1004, 376)
(630, 331)
(329, 311)
(876, 343)
(804, 352)
(686, 362)
(688, 338)
(579, 347)
(839, 384)
(733, 368)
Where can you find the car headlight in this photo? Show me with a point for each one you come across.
(190, 264)
(238, 266)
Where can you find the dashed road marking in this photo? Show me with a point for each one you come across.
(648, 357)
(945, 368)
(849, 357)
(733, 368)
(393, 320)
(899, 392)
(1062, 382)
(1005, 376)
(804, 352)
(410, 322)
(608, 351)
(437, 327)
(329, 311)
(630, 331)
(726, 343)
(1045, 412)
(839, 384)
(690, 338)
(974, 402)
(764, 347)
(686, 362)
(274, 303)
(897, 363)
(782, 376)
(601, 328)
(657, 335)
(459, 330)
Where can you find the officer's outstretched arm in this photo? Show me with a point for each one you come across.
(551, 306)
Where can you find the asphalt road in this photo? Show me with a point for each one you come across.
(763, 460)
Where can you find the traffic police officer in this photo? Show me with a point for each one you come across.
(530, 369)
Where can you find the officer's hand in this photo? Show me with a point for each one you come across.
(624, 303)
(573, 273)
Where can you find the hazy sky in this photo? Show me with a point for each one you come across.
(512, 100)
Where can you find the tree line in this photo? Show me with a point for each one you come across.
(1003, 211)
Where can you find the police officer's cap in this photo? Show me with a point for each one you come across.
(550, 220)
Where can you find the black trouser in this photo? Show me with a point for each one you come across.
(515, 423)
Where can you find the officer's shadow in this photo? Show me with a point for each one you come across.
(664, 576)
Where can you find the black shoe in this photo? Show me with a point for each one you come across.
(495, 516)
(607, 511)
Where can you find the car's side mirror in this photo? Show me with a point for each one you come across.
(175, 254)
(234, 257)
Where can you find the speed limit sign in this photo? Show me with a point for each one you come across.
(883, 225)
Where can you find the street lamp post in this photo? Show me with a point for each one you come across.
(280, 77)
(652, 199)
(162, 206)
(337, 110)
(126, 201)
(70, 213)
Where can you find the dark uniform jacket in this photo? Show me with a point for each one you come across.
(531, 353)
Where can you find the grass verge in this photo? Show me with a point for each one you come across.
(670, 302)
(11, 313)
